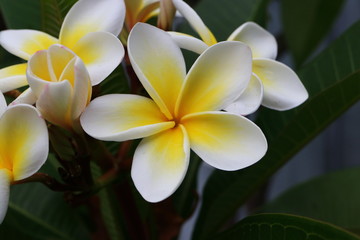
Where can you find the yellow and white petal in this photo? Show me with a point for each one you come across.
(24, 140)
(101, 52)
(121, 117)
(82, 89)
(5, 179)
(54, 103)
(58, 57)
(188, 42)
(160, 164)
(262, 43)
(225, 141)
(24, 43)
(13, 77)
(88, 16)
(195, 21)
(3, 104)
(283, 89)
(250, 100)
(39, 73)
(26, 97)
(216, 79)
(159, 64)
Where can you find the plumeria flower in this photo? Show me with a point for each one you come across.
(61, 85)
(89, 30)
(140, 11)
(24, 146)
(183, 113)
(273, 84)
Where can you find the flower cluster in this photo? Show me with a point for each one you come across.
(201, 109)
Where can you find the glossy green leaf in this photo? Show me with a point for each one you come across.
(333, 82)
(117, 82)
(306, 23)
(109, 208)
(37, 213)
(185, 198)
(284, 227)
(23, 14)
(53, 13)
(332, 198)
(111, 213)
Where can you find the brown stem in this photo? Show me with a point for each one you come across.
(48, 181)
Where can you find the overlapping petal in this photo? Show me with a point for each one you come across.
(54, 103)
(188, 42)
(13, 77)
(283, 89)
(61, 83)
(23, 140)
(216, 79)
(161, 70)
(101, 52)
(120, 117)
(82, 89)
(250, 100)
(262, 43)
(92, 16)
(160, 163)
(24, 43)
(5, 178)
(224, 140)
(195, 21)
(26, 97)
(3, 104)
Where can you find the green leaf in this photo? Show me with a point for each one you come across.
(223, 17)
(109, 208)
(24, 14)
(285, 227)
(117, 82)
(331, 198)
(111, 214)
(185, 197)
(53, 13)
(306, 23)
(333, 82)
(37, 213)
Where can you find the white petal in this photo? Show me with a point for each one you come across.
(24, 140)
(26, 97)
(120, 117)
(92, 16)
(13, 77)
(101, 52)
(216, 79)
(24, 43)
(3, 104)
(188, 42)
(195, 21)
(262, 43)
(160, 164)
(250, 100)
(283, 89)
(224, 140)
(5, 179)
(158, 63)
(82, 89)
(54, 103)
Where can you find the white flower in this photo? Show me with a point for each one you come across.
(273, 84)
(24, 146)
(182, 114)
